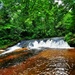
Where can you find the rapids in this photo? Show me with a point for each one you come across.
(57, 43)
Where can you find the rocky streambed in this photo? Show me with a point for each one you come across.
(45, 62)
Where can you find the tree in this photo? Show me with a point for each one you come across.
(30, 19)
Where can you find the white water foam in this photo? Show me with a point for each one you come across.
(53, 43)
(49, 44)
(11, 49)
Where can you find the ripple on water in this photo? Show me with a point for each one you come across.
(54, 66)
(48, 62)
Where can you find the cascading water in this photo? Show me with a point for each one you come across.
(11, 49)
(39, 44)
(49, 44)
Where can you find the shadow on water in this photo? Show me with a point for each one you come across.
(15, 58)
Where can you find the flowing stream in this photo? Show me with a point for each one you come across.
(57, 43)
(51, 56)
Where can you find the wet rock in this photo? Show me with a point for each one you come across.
(1, 51)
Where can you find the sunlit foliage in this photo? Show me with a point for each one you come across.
(33, 19)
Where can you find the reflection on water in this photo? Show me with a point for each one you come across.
(55, 66)
(47, 62)
(59, 66)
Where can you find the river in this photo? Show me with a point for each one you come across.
(38, 60)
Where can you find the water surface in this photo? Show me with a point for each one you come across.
(47, 62)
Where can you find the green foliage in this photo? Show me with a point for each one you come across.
(30, 19)
(70, 38)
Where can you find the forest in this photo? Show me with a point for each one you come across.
(35, 19)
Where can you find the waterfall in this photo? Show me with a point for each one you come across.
(57, 42)
(49, 44)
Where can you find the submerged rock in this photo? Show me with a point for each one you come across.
(47, 62)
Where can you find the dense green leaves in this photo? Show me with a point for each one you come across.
(30, 19)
